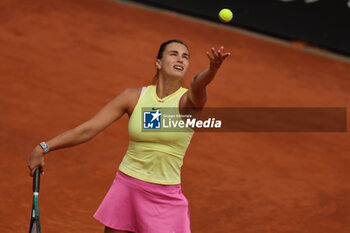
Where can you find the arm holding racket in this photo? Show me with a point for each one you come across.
(197, 94)
(121, 104)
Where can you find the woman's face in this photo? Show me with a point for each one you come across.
(175, 61)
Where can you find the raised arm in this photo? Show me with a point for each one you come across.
(122, 103)
(197, 95)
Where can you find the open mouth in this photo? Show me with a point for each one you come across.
(177, 67)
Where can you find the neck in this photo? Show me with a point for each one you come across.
(167, 86)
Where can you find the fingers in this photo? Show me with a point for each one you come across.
(32, 170)
(215, 54)
(218, 56)
(210, 58)
(35, 161)
(42, 168)
(29, 167)
(222, 54)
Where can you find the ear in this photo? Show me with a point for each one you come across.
(158, 64)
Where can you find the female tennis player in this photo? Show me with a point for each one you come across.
(146, 196)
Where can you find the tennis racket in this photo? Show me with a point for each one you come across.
(34, 219)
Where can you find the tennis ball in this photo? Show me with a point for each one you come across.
(225, 15)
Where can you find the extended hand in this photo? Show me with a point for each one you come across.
(217, 58)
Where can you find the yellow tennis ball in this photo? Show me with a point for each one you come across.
(225, 15)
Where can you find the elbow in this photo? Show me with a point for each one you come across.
(84, 133)
(86, 136)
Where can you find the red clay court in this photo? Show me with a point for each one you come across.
(62, 60)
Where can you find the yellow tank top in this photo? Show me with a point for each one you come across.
(155, 157)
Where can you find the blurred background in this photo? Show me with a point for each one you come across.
(322, 23)
(61, 61)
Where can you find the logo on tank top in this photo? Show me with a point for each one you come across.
(152, 119)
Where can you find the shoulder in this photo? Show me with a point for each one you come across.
(131, 96)
(131, 91)
(127, 96)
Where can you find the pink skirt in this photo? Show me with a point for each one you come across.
(143, 207)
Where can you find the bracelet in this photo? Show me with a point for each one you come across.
(44, 146)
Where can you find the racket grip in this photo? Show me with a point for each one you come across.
(36, 180)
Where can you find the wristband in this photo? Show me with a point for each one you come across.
(44, 146)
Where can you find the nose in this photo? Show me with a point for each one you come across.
(180, 59)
